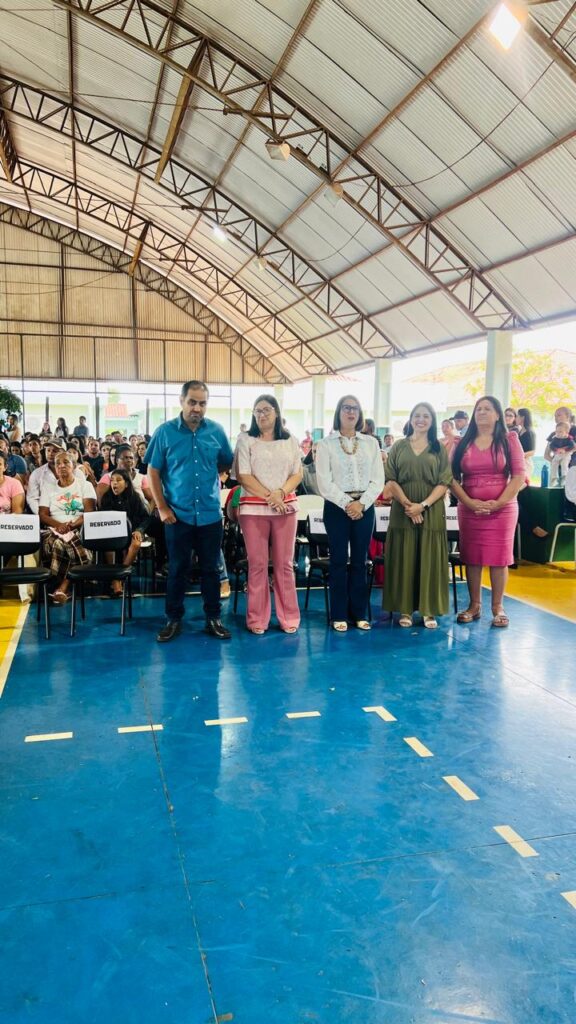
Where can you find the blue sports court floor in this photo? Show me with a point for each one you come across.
(403, 853)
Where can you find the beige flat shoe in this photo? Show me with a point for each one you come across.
(363, 624)
(430, 622)
(405, 621)
(340, 627)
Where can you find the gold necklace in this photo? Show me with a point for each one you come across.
(355, 445)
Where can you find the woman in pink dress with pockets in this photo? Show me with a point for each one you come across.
(489, 470)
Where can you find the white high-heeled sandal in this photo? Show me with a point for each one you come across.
(340, 627)
(363, 624)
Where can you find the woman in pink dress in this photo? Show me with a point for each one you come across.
(488, 467)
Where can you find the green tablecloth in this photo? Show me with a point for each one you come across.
(542, 506)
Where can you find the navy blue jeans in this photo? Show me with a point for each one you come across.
(206, 541)
(348, 586)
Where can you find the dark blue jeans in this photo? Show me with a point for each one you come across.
(348, 587)
(206, 541)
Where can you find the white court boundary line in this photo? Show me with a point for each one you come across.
(8, 658)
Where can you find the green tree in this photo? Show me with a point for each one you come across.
(9, 404)
(541, 381)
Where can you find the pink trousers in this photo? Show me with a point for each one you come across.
(279, 533)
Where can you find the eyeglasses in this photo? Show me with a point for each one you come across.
(263, 412)
(350, 408)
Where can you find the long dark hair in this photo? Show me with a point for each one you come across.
(499, 438)
(280, 432)
(359, 423)
(128, 493)
(527, 417)
(432, 429)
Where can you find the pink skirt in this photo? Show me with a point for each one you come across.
(487, 540)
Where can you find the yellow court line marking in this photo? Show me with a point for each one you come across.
(519, 844)
(460, 787)
(382, 713)
(303, 714)
(11, 645)
(417, 746)
(570, 897)
(226, 721)
(140, 728)
(42, 737)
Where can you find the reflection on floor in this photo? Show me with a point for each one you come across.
(549, 587)
(289, 870)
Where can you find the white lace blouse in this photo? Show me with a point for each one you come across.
(349, 464)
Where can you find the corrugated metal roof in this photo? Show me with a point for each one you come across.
(355, 59)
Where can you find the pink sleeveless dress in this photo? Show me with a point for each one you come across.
(489, 540)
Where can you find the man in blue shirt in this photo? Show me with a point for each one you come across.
(184, 458)
(15, 464)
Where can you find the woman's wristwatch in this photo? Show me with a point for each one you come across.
(425, 506)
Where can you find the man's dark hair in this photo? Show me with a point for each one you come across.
(194, 385)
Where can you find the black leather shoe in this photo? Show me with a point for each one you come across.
(169, 631)
(216, 628)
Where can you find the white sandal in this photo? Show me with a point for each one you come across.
(363, 624)
(430, 622)
(340, 627)
(405, 621)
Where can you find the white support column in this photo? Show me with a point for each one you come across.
(279, 394)
(383, 372)
(499, 354)
(318, 394)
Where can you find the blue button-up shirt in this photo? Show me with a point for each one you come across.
(188, 462)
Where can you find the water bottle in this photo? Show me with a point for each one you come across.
(544, 475)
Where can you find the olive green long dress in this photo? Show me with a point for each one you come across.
(416, 576)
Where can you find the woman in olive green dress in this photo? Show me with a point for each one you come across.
(419, 475)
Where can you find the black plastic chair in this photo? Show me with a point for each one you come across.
(102, 573)
(319, 562)
(21, 574)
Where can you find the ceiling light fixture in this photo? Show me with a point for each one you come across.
(278, 150)
(334, 193)
(261, 263)
(506, 25)
(219, 233)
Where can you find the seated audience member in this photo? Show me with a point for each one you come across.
(11, 491)
(14, 432)
(46, 428)
(370, 429)
(387, 442)
(125, 460)
(62, 508)
(141, 464)
(81, 429)
(461, 420)
(105, 453)
(80, 464)
(95, 458)
(449, 438)
(527, 437)
(61, 429)
(306, 443)
(121, 497)
(510, 419)
(563, 415)
(15, 464)
(309, 483)
(45, 475)
(34, 457)
(559, 451)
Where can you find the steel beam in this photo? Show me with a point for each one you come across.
(199, 194)
(168, 247)
(218, 330)
(8, 157)
(146, 25)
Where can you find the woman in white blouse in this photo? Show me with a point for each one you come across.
(350, 477)
(267, 464)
